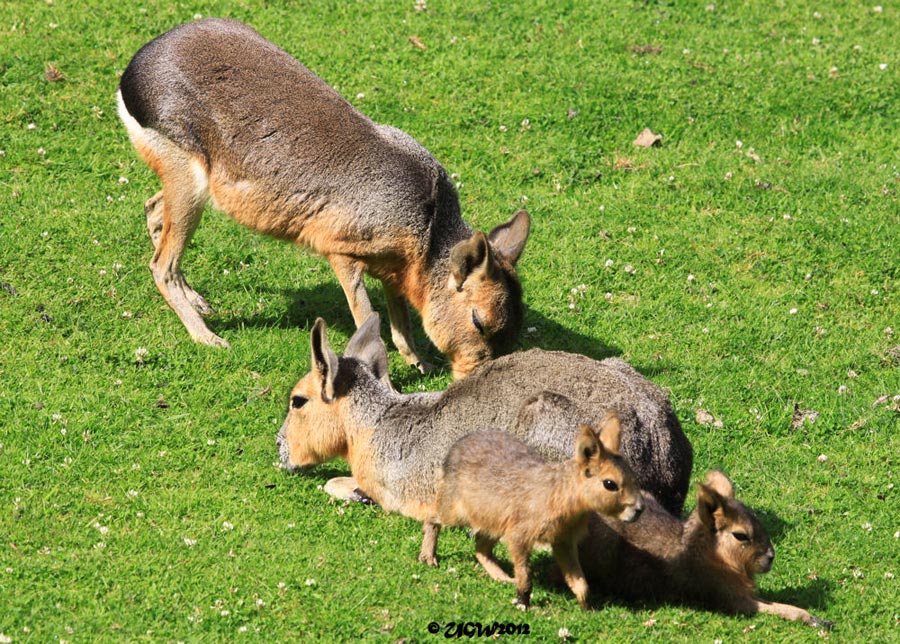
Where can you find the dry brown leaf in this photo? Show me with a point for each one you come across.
(653, 50)
(703, 417)
(626, 164)
(52, 73)
(803, 416)
(647, 139)
(416, 42)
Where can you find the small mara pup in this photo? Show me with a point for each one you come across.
(502, 488)
(709, 559)
(395, 443)
(221, 113)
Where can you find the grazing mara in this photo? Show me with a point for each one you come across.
(222, 114)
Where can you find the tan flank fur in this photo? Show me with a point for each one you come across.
(709, 559)
(502, 488)
(222, 114)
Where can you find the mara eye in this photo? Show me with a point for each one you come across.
(297, 402)
(741, 536)
(477, 323)
(612, 486)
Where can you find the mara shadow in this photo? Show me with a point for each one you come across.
(298, 308)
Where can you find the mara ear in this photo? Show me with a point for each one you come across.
(611, 432)
(587, 448)
(711, 507)
(718, 481)
(509, 239)
(367, 347)
(470, 257)
(324, 360)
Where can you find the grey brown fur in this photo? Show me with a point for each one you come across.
(221, 113)
(405, 437)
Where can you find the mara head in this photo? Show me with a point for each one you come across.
(323, 405)
(606, 482)
(477, 314)
(740, 540)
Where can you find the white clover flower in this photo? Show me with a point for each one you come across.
(226, 525)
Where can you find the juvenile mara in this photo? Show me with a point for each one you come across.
(502, 488)
(709, 559)
(221, 113)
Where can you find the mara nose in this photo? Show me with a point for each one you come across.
(639, 505)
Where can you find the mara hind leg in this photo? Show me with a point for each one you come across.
(350, 273)
(153, 209)
(401, 332)
(484, 553)
(185, 191)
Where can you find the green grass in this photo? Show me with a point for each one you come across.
(138, 497)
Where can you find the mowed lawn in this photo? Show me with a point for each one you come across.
(749, 264)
